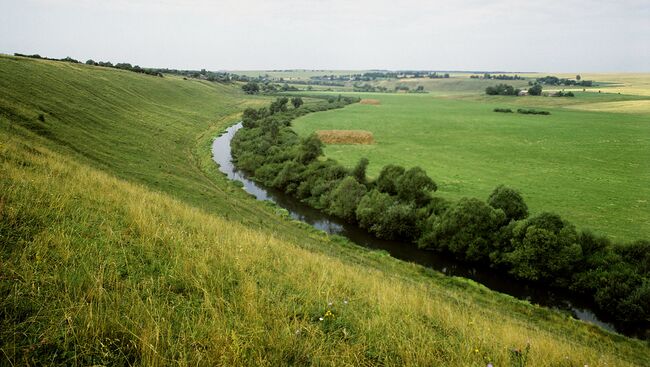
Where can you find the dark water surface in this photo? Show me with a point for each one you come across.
(401, 250)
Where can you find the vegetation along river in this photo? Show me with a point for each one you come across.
(400, 250)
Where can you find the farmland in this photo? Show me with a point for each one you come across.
(587, 161)
(122, 245)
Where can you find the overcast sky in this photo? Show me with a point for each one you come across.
(511, 35)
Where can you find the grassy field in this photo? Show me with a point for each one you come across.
(120, 244)
(590, 167)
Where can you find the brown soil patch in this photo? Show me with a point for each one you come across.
(370, 101)
(345, 136)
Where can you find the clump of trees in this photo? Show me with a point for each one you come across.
(496, 77)
(531, 111)
(563, 94)
(502, 90)
(369, 88)
(535, 90)
(553, 80)
(251, 88)
(400, 204)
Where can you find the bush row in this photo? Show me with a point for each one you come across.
(399, 204)
(532, 112)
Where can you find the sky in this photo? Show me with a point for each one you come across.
(496, 35)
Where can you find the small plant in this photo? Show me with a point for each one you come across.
(519, 357)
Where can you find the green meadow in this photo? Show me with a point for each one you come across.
(121, 244)
(592, 167)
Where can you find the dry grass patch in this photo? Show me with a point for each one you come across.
(345, 136)
(370, 101)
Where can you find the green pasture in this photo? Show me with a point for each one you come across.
(593, 168)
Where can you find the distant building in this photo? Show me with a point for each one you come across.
(523, 93)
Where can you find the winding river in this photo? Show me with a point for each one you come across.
(400, 250)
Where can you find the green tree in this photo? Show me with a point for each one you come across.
(468, 229)
(510, 201)
(251, 88)
(296, 102)
(386, 218)
(343, 200)
(388, 177)
(545, 248)
(310, 148)
(359, 171)
(535, 90)
(279, 105)
(414, 186)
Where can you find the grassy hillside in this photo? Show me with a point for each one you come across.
(590, 167)
(108, 258)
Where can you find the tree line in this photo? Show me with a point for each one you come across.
(497, 77)
(553, 80)
(400, 204)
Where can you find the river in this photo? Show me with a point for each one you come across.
(400, 250)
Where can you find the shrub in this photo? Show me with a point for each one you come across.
(384, 217)
(510, 201)
(545, 248)
(532, 112)
(414, 186)
(388, 177)
(504, 110)
(359, 171)
(345, 198)
(466, 229)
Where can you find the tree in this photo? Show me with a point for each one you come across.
(387, 180)
(251, 88)
(310, 148)
(545, 248)
(535, 90)
(386, 218)
(578, 77)
(502, 90)
(296, 102)
(359, 171)
(414, 186)
(468, 229)
(279, 105)
(510, 201)
(345, 198)
(90, 62)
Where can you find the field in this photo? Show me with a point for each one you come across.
(592, 167)
(345, 136)
(120, 244)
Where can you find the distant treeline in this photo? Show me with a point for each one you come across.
(553, 80)
(497, 77)
(379, 75)
(399, 204)
(198, 74)
(381, 89)
(266, 87)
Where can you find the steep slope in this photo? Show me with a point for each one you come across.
(120, 244)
